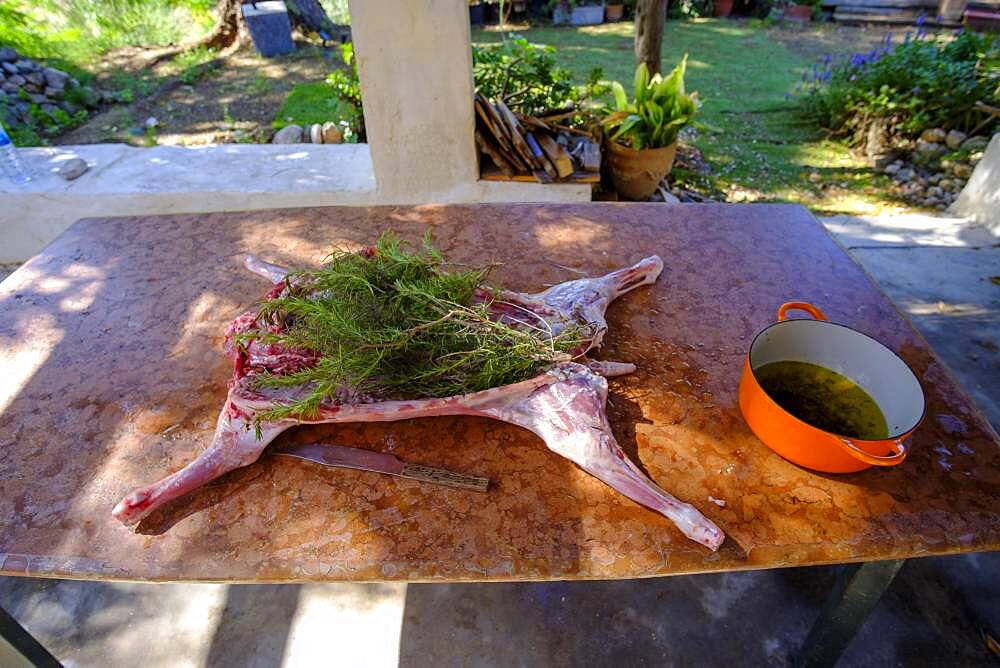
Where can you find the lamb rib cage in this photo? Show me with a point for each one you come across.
(564, 406)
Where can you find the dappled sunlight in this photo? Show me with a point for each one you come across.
(199, 328)
(907, 229)
(297, 155)
(571, 231)
(39, 329)
(25, 355)
(618, 29)
(717, 26)
(82, 296)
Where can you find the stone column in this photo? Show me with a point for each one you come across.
(415, 64)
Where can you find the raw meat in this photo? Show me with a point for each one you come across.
(564, 406)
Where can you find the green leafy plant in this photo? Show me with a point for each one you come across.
(261, 85)
(129, 86)
(78, 31)
(317, 103)
(347, 85)
(688, 9)
(527, 77)
(919, 84)
(195, 64)
(51, 121)
(338, 11)
(659, 109)
(394, 323)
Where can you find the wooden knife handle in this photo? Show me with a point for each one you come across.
(447, 478)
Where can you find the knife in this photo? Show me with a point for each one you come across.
(341, 456)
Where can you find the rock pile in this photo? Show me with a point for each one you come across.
(929, 178)
(24, 83)
(327, 133)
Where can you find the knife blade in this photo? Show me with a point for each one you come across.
(342, 456)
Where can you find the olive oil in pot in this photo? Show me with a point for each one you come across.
(823, 398)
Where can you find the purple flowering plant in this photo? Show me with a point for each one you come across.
(924, 81)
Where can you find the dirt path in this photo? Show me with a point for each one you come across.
(235, 101)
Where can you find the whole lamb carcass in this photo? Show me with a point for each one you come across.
(564, 405)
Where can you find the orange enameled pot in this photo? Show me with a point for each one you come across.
(879, 372)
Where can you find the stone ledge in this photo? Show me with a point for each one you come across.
(128, 181)
(118, 169)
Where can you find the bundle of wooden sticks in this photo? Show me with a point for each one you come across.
(519, 147)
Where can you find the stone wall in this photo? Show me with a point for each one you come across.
(26, 85)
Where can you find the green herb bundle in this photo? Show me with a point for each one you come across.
(399, 324)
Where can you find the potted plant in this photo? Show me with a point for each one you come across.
(641, 135)
(723, 8)
(614, 11)
(798, 11)
(577, 12)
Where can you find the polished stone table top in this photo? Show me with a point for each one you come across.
(113, 376)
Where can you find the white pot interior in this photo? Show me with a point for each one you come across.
(878, 371)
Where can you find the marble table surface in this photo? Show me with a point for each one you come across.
(113, 376)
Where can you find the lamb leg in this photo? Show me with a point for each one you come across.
(564, 406)
(580, 302)
(271, 272)
(570, 417)
(235, 444)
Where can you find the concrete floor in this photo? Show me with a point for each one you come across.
(935, 612)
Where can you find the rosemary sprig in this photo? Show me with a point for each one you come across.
(399, 324)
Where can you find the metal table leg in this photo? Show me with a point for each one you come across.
(25, 649)
(856, 591)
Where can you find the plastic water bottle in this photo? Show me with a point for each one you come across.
(10, 161)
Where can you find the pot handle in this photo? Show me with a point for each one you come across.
(896, 457)
(800, 306)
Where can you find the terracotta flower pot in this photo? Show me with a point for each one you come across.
(799, 12)
(637, 174)
(614, 12)
(723, 8)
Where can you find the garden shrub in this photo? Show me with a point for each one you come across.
(690, 9)
(918, 84)
(347, 87)
(338, 99)
(526, 75)
(78, 31)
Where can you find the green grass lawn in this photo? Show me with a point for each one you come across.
(759, 149)
(313, 103)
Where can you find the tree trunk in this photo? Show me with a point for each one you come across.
(229, 28)
(230, 31)
(309, 16)
(650, 15)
